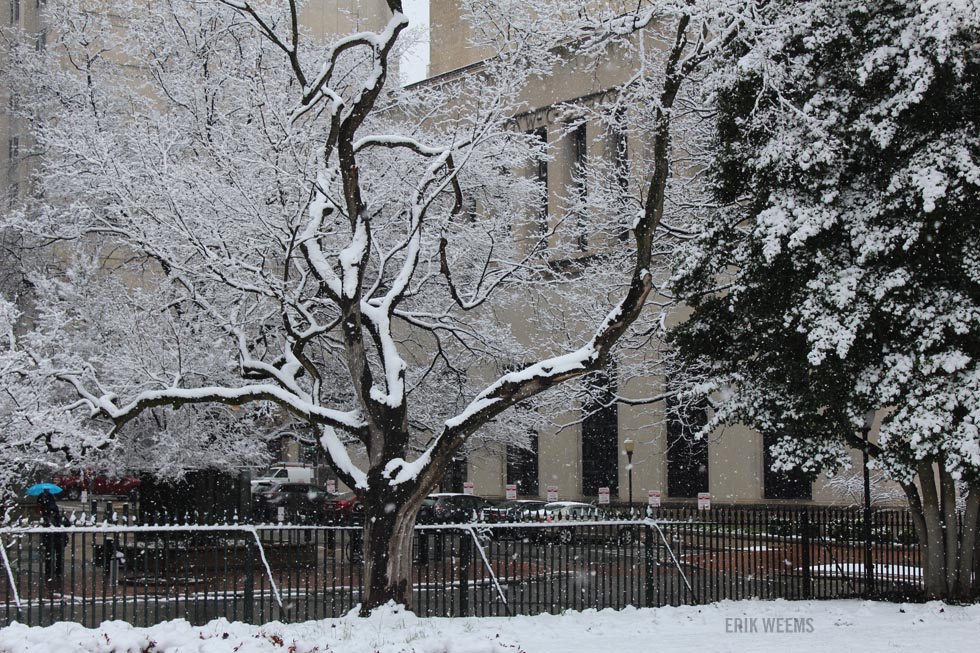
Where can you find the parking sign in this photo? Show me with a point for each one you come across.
(603, 495)
(653, 498)
(704, 501)
(552, 493)
(511, 491)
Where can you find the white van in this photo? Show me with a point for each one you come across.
(283, 473)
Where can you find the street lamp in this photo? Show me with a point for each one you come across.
(628, 448)
(868, 561)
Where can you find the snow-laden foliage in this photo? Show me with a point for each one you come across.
(248, 215)
(24, 427)
(187, 152)
(840, 276)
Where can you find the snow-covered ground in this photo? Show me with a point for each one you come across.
(836, 626)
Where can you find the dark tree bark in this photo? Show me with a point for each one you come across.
(946, 538)
(388, 534)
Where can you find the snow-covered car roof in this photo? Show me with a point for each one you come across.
(566, 504)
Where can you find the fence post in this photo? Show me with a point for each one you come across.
(465, 555)
(648, 567)
(805, 543)
(248, 610)
(244, 503)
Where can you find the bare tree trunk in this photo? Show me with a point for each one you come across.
(933, 551)
(915, 508)
(390, 512)
(948, 554)
(947, 504)
(388, 529)
(966, 584)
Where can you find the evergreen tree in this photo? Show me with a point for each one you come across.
(841, 275)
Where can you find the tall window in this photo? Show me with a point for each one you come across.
(600, 436)
(457, 474)
(782, 484)
(618, 145)
(276, 448)
(541, 177)
(579, 163)
(522, 467)
(687, 457)
(621, 152)
(13, 149)
(14, 11)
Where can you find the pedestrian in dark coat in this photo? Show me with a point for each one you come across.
(52, 544)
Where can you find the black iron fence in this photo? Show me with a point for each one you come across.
(111, 568)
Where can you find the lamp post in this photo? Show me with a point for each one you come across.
(628, 448)
(868, 562)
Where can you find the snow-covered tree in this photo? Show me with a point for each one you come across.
(264, 220)
(18, 422)
(847, 488)
(841, 275)
(34, 413)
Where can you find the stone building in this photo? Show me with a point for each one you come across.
(733, 465)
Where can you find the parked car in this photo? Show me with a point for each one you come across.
(282, 473)
(515, 510)
(574, 511)
(301, 502)
(263, 485)
(451, 508)
(344, 508)
(73, 485)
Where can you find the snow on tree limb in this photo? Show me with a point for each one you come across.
(281, 229)
(105, 404)
(332, 253)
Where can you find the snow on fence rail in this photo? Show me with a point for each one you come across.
(93, 571)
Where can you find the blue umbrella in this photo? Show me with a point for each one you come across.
(36, 490)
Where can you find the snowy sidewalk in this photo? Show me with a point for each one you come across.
(782, 626)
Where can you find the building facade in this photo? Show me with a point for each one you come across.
(733, 465)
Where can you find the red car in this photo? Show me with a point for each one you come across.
(100, 485)
(305, 503)
(344, 508)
